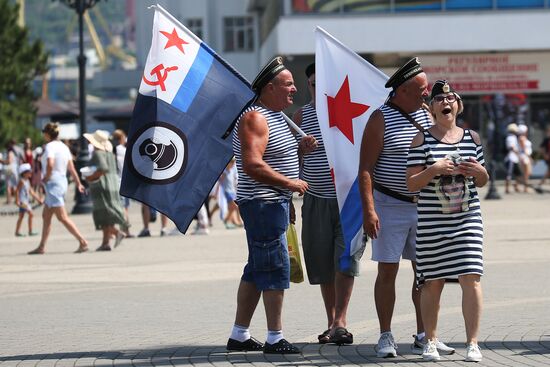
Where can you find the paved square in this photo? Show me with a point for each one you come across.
(171, 300)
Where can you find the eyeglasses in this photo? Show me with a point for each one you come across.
(450, 98)
(448, 180)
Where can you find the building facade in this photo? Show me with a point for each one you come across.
(495, 52)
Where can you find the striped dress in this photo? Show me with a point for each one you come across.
(390, 169)
(281, 154)
(449, 236)
(315, 167)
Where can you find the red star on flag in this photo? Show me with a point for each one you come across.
(342, 111)
(174, 40)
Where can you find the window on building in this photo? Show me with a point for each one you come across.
(195, 26)
(238, 33)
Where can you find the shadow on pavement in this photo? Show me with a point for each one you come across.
(312, 354)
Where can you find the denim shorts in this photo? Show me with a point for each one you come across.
(230, 196)
(56, 187)
(265, 222)
(125, 201)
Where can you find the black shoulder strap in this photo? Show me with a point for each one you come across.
(407, 116)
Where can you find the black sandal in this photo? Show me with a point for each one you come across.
(248, 345)
(104, 247)
(324, 338)
(341, 336)
(281, 347)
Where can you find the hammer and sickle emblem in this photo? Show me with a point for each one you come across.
(161, 74)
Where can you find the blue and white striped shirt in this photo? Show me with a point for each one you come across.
(315, 167)
(281, 154)
(391, 167)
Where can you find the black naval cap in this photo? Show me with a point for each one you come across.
(310, 69)
(411, 69)
(441, 87)
(268, 72)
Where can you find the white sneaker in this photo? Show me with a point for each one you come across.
(386, 347)
(430, 352)
(201, 231)
(174, 232)
(473, 354)
(417, 346)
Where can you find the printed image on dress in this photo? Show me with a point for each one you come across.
(453, 193)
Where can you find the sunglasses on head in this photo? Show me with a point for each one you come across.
(450, 98)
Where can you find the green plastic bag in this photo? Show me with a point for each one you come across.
(296, 270)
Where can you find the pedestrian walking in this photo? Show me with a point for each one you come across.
(511, 161)
(22, 199)
(545, 150)
(525, 152)
(104, 188)
(10, 166)
(119, 138)
(57, 160)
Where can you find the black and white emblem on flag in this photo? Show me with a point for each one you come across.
(158, 153)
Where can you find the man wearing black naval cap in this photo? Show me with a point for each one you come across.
(267, 162)
(389, 208)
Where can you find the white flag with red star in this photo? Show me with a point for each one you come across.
(348, 89)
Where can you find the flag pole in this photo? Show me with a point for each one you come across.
(173, 19)
(294, 126)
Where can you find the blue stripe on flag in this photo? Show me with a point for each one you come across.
(351, 218)
(193, 80)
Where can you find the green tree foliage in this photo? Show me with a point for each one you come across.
(20, 62)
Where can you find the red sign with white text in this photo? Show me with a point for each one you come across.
(491, 73)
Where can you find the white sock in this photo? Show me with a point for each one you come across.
(240, 333)
(273, 336)
(420, 336)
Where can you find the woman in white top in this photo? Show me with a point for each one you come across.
(525, 152)
(56, 161)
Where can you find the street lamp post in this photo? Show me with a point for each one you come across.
(82, 201)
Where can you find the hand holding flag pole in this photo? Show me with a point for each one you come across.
(177, 142)
(179, 137)
(294, 126)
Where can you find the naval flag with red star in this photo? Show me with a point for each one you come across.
(348, 89)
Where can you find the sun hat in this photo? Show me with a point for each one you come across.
(512, 128)
(25, 167)
(522, 129)
(100, 140)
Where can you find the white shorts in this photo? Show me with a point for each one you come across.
(397, 234)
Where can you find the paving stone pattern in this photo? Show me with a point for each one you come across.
(170, 301)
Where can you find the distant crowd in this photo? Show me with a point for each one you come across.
(33, 176)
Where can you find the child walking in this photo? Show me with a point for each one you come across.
(22, 196)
